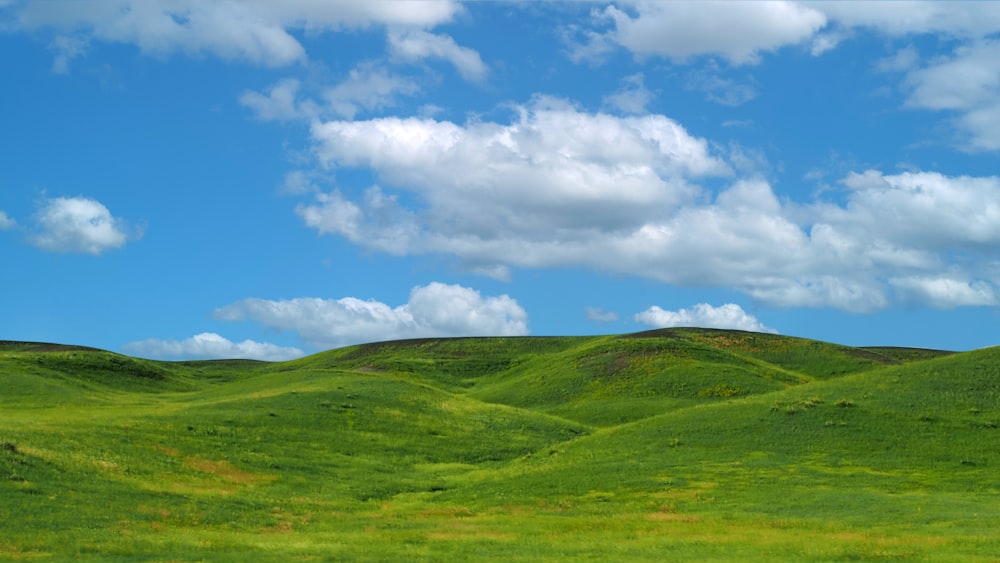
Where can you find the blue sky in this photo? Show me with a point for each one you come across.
(189, 179)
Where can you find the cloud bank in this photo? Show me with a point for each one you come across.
(703, 315)
(209, 345)
(560, 187)
(256, 31)
(434, 310)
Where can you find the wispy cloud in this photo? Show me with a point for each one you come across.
(633, 97)
(209, 345)
(367, 88)
(6, 222)
(599, 315)
(416, 45)
(278, 104)
(964, 84)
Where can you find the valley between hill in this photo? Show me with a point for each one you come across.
(676, 444)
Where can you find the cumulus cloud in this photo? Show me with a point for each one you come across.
(416, 45)
(945, 292)
(558, 187)
(552, 170)
(433, 310)
(257, 31)
(703, 315)
(6, 222)
(736, 31)
(925, 210)
(77, 224)
(209, 345)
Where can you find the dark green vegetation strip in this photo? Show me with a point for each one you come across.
(679, 444)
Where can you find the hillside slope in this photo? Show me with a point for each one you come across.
(703, 444)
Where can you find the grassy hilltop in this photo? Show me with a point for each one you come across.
(677, 444)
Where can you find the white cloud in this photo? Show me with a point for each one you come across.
(279, 104)
(258, 31)
(498, 272)
(433, 310)
(593, 47)
(77, 224)
(558, 187)
(66, 48)
(945, 292)
(579, 159)
(368, 87)
(924, 210)
(633, 97)
(380, 224)
(965, 83)
(827, 41)
(953, 18)
(534, 188)
(908, 228)
(299, 182)
(6, 222)
(904, 60)
(736, 31)
(740, 32)
(981, 128)
(968, 79)
(703, 315)
(723, 91)
(209, 345)
(599, 315)
(415, 45)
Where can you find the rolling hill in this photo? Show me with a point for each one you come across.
(676, 444)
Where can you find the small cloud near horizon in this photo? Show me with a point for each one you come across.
(728, 316)
(209, 345)
(599, 315)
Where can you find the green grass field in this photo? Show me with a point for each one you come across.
(669, 445)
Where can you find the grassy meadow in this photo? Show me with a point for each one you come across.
(668, 445)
